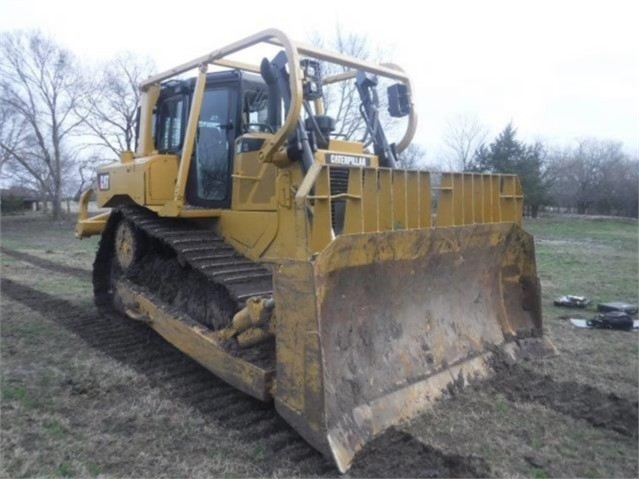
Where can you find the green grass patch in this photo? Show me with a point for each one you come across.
(259, 452)
(538, 473)
(20, 395)
(501, 404)
(56, 430)
(563, 227)
(17, 393)
(40, 233)
(64, 470)
(93, 469)
(594, 473)
(63, 286)
(27, 330)
(591, 257)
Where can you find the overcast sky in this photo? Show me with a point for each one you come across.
(558, 69)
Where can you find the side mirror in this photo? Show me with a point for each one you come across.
(398, 101)
(312, 71)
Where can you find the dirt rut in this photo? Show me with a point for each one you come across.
(581, 401)
(47, 264)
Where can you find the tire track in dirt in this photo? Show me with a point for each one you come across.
(580, 401)
(177, 377)
(47, 264)
(376, 461)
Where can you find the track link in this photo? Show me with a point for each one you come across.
(204, 251)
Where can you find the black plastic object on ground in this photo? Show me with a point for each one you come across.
(611, 320)
(617, 306)
(569, 301)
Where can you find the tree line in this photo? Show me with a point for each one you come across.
(590, 176)
(59, 119)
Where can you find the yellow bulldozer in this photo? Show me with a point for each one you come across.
(303, 267)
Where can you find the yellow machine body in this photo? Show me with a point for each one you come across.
(409, 290)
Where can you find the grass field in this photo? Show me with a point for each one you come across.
(84, 396)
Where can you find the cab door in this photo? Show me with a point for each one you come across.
(209, 181)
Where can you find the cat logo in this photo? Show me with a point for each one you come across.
(347, 160)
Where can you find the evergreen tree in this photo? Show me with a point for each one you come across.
(508, 155)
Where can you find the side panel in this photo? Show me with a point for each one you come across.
(254, 182)
(160, 179)
(146, 181)
(250, 232)
(120, 180)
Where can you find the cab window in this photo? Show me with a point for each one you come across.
(255, 111)
(170, 125)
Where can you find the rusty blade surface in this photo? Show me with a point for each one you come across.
(404, 316)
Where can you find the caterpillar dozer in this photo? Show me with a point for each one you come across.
(303, 267)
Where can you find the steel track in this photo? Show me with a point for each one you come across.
(199, 254)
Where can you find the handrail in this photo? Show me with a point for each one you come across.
(217, 57)
(260, 37)
(411, 127)
(293, 51)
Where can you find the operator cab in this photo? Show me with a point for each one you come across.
(237, 103)
(234, 103)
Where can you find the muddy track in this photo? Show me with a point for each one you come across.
(46, 264)
(394, 454)
(581, 401)
(185, 269)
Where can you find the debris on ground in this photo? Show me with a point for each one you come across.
(617, 306)
(611, 320)
(570, 301)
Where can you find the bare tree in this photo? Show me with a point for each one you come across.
(619, 194)
(110, 111)
(40, 87)
(413, 158)
(12, 131)
(595, 176)
(86, 170)
(587, 169)
(464, 135)
(341, 99)
(557, 159)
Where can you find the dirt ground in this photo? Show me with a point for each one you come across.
(85, 396)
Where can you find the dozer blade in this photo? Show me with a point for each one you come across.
(380, 325)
